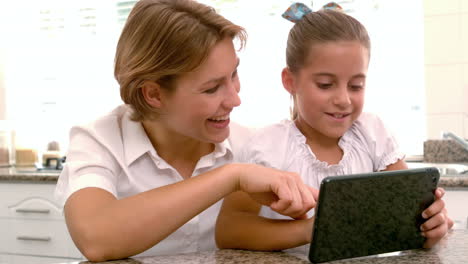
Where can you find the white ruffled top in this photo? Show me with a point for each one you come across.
(368, 146)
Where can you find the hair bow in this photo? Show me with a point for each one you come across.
(296, 11)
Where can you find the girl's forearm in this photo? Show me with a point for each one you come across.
(244, 230)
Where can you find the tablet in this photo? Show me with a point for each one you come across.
(367, 214)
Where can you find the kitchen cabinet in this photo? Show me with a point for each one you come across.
(32, 225)
(9, 259)
(456, 201)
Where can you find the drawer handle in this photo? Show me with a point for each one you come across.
(32, 238)
(36, 211)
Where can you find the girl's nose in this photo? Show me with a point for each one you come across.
(342, 97)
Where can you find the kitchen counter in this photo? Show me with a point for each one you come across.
(27, 174)
(33, 176)
(452, 181)
(452, 249)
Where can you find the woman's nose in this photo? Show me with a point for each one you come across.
(232, 97)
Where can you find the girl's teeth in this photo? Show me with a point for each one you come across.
(220, 118)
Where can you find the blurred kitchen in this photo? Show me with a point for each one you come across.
(56, 70)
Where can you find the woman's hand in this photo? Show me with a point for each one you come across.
(438, 223)
(284, 192)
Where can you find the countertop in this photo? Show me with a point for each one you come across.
(32, 176)
(451, 249)
(27, 174)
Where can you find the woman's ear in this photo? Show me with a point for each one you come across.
(288, 80)
(152, 93)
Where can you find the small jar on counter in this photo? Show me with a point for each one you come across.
(52, 158)
(27, 140)
(26, 157)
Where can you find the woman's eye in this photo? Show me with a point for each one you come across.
(234, 74)
(324, 85)
(212, 90)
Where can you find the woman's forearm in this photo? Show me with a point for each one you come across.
(105, 228)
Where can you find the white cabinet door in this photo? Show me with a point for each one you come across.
(32, 223)
(37, 237)
(16, 259)
(5, 259)
(456, 202)
(29, 201)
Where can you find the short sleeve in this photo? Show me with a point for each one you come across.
(238, 137)
(250, 153)
(267, 147)
(381, 142)
(89, 164)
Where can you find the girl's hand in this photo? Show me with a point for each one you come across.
(438, 223)
(284, 192)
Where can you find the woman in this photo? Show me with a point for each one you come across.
(148, 177)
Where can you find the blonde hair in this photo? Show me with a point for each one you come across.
(317, 28)
(163, 39)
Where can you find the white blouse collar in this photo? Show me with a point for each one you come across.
(344, 143)
(136, 143)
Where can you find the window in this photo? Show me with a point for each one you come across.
(58, 63)
(395, 85)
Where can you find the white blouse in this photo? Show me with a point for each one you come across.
(367, 146)
(115, 154)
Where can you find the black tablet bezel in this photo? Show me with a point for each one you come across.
(352, 208)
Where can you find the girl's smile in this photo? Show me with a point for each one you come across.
(339, 117)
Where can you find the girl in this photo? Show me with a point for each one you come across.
(148, 176)
(327, 58)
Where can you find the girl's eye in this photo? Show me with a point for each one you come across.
(356, 87)
(324, 85)
(357, 84)
(212, 90)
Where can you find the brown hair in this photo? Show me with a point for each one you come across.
(163, 39)
(317, 28)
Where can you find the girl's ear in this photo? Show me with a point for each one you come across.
(288, 80)
(152, 93)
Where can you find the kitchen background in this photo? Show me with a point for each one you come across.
(56, 70)
(56, 61)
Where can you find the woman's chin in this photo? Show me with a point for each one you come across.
(218, 137)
